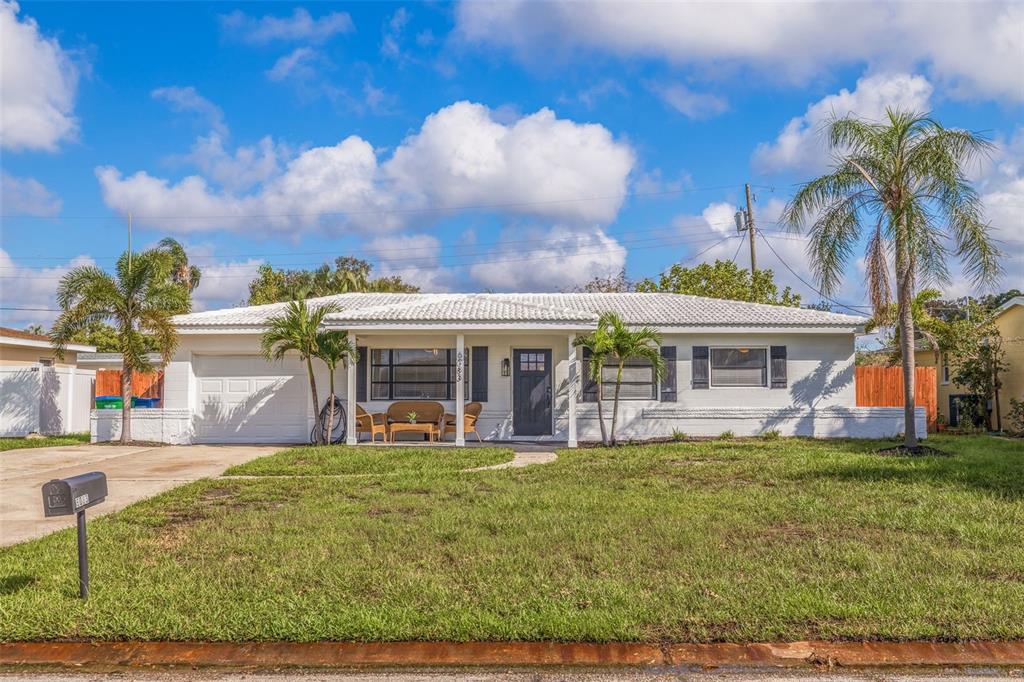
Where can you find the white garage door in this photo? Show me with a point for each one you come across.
(245, 399)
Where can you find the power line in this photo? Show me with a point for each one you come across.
(696, 226)
(806, 283)
(397, 211)
(743, 238)
(437, 266)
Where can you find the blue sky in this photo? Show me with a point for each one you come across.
(498, 145)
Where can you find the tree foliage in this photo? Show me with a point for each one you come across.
(901, 183)
(139, 299)
(977, 360)
(181, 271)
(612, 284)
(722, 279)
(348, 275)
(613, 340)
(297, 330)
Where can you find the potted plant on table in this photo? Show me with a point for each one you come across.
(411, 417)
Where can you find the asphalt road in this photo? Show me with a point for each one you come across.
(521, 675)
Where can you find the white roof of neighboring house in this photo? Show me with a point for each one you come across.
(576, 310)
(16, 337)
(1016, 300)
(110, 358)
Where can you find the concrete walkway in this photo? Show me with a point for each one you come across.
(133, 473)
(520, 460)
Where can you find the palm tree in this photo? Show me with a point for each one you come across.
(903, 182)
(617, 342)
(333, 348)
(297, 330)
(599, 345)
(138, 299)
(181, 272)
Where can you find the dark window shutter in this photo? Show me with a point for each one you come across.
(589, 392)
(701, 367)
(364, 359)
(478, 358)
(778, 366)
(668, 381)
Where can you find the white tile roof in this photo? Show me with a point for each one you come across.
(510, 309)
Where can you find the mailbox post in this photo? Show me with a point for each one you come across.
(66, 496)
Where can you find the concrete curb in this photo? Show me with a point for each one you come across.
(339, 654)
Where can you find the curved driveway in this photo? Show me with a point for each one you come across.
(133, 473)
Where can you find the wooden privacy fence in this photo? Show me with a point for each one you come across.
(144, 385)
(883, 387)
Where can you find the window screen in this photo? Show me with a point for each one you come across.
(637, 380)
(414, 373)
(739, 367)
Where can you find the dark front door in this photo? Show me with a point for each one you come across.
(531, 392)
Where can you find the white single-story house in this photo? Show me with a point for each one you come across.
(39, 392)
(732, 366)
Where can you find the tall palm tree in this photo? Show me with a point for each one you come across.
(181, 271)
(334, 348)
(599, 345)
(297, 329)
(621, 344)
(138, 299)
(903, 182)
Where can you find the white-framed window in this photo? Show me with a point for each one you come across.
(638, 381)
(739, 367)
(415, 373)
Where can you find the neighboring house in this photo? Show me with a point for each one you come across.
(1009, 320)
(39, 392)
(733, 366)
(110, 360)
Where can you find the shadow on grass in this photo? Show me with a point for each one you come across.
(15, 583)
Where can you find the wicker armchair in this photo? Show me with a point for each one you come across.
(371, 424)
(470, 414)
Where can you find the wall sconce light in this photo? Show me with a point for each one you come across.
(506, 367)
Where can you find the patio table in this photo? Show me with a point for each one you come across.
(422, 427)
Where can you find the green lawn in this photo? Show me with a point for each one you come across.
(343, 461)
(702, 541)
(49, 441)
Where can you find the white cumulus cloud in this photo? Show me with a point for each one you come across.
(38, 79)
(188, 99)
(695, 105)
(974, 48)
(416, 258)
(549, 260)
(801, 145)
(536, 165)
(463, 155)
(300, 26)
(27, 196)
(27, 286)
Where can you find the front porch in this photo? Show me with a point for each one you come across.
(523, 386)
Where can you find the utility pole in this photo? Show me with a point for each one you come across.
(130, 239)
(750, 228)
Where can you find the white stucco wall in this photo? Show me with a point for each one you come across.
(173, 426)
(49, 400)
(819, 399)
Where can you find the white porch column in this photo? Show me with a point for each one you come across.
(351, 438)
(460, 389)
(574, 382)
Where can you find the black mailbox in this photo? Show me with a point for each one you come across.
(64, 496)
